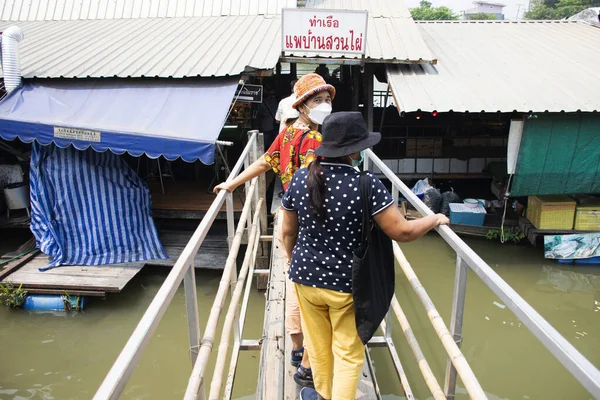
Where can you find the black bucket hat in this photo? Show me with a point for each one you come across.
(345, 133)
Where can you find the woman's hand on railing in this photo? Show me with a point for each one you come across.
(223, 186)
(442, 220)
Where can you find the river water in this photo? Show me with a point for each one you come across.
(66, 355)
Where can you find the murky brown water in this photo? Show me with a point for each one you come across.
(66, 356)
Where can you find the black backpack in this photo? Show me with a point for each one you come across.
(373, 275)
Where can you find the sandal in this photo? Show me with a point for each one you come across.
(304, 378)
(297, 357)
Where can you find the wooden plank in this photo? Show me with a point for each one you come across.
(202, 260)
(105, 278)
(272, 356)
(14, 265)
(61, 292)
(185, 196)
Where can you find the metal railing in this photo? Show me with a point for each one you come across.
(253, 221)
(584, 371)
(183, 270)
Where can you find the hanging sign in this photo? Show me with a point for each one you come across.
(324, 31)
(87, 135)
(249, 93)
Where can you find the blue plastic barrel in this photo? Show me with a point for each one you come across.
(48, 302)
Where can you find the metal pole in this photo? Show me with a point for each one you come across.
(367, 162)
(230, 234)
(230, 218)
(456, 322)
(385, 103)
(191, 306)
(262, 186)
(252, 157)
(388, 316)
(368, 95)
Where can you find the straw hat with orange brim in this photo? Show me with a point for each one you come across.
(308, 86)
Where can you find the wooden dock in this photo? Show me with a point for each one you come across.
(536, 236)
(275, 380)
(112, 278)
(186, 200)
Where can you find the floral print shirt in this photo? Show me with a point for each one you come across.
(291, 150)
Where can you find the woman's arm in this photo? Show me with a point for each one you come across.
(289, 233)
(255, 169)
(393, 224)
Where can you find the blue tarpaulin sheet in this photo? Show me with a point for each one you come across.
(157, 118)
(90, 208)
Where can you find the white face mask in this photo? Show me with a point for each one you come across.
(318, 114)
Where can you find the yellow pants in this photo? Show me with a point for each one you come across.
(337, 353)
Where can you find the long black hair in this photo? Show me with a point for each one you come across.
(316, 185)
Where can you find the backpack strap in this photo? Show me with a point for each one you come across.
(365, 195)
(306, 132)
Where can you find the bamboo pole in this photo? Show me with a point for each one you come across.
(238, 346)
(230, 317)
(236, 350)
(426, 371)
(197, 376)
(458, 359)
(242, 319)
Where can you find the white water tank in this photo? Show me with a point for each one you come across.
(17, 197)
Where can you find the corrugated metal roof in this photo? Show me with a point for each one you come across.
(503, 66)
(392, 35)
(150, 47)
(47, 10)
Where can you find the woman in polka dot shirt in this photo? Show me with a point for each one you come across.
(322, 225)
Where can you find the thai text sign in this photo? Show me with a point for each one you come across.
(324, 31)
(87, 135)
(249, 93)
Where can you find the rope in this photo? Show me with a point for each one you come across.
(505, 206)
(16, 257)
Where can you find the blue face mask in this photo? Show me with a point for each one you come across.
(356, 163)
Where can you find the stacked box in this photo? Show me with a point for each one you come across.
(587, 217)
(551, 212)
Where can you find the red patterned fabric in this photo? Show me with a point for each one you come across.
(283, 153)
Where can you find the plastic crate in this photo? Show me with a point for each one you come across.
(551, 212)
(461, 214)
(587, 217)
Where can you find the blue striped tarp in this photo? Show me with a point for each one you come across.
(89, 208)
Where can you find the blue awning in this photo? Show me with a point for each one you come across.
(157, 118)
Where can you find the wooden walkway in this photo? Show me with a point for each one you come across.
(275, 380)
(186, 200)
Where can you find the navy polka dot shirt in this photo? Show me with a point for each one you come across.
(322, 256)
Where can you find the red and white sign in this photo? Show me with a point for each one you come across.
(324, 31)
